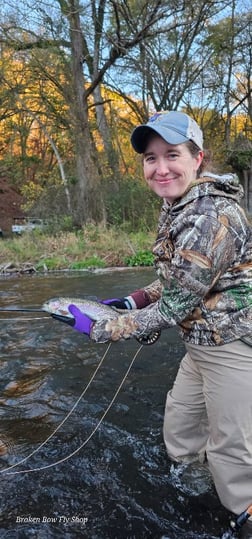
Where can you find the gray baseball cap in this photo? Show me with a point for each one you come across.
(174, 127)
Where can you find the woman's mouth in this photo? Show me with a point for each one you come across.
(164, 180)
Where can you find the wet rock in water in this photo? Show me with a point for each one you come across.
(10, 268)
(11, 388)
(31, 378)
(3, 449)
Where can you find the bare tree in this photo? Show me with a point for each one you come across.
(157, 54)
(79, 34)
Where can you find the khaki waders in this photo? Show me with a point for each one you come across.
(209, 412)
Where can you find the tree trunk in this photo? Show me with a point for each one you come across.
(246, 181)
(105, 131)
(249, 191)
(89, 204)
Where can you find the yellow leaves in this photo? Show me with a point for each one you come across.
(31, 192)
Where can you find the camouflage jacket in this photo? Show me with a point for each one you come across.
(203, 260)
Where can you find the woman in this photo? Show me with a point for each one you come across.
(203, 260)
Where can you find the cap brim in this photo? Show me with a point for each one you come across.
(140, 136)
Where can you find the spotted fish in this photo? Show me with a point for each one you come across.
(58, 308)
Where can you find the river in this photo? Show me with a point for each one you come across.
(113, 478)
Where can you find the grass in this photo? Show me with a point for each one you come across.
(91, 247)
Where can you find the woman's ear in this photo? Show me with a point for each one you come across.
(199, 158)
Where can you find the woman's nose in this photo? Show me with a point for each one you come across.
(162, 166)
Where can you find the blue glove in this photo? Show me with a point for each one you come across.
(119, 303)
(82, 322)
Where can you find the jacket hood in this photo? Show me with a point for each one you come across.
(209, 184)
(228, 184)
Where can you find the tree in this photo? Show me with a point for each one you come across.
(77, 56)
(240, 157)
(230, 70)
(27, 124)
(79, 35)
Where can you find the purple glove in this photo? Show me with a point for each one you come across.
(119, 303)
(83, 323)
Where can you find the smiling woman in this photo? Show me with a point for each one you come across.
(203, 261)
(169, 169)
(173, 156)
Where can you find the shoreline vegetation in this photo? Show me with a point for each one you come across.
(93, 247)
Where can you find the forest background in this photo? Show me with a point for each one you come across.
(76, 78)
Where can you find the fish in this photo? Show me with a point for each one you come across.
(93, 309)
(58, 308)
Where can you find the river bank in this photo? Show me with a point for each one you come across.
(90, 248)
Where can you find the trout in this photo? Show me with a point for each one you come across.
(93, 309)
(58, 308)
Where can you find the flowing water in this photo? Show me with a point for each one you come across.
(120, 483)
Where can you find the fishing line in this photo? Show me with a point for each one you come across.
(65, 418)
(21, 318)
(90, 435)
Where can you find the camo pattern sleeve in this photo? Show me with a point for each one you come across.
(138, 323)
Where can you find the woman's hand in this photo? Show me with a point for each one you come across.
(83, 323)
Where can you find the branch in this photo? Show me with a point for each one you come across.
(120, 49)
(247, 96)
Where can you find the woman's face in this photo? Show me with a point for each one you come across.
(169, 169)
